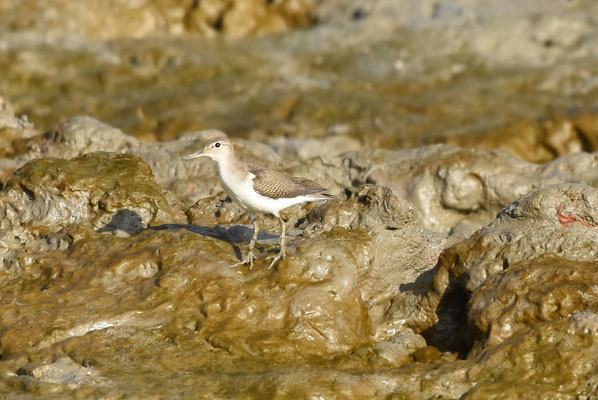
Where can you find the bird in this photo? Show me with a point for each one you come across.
(257, 189)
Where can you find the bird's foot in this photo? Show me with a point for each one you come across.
(248, 259)
(280, 256)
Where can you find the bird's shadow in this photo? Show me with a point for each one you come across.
(129, 221)
(124, 220)
(232, 234)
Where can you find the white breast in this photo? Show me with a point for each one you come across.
(241, 191)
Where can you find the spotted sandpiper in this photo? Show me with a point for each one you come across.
(257, 189)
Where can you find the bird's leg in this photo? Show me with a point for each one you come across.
(283, 241)
(283, 251)
(248, 259)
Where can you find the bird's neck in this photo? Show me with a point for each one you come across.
(230, 166)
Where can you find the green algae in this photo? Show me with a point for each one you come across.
(90, 188)
(158, 87)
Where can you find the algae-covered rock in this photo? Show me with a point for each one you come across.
(392, 272)
(454, 190)
(553, 359)
(357, 307)
(114, 19)
(188, 181)
(12, 130)
(408, 286)
(181, 281)
(536, 141)
(101, 190)
(389, 252)
(533, 263)
(532, 291)
(71, 138)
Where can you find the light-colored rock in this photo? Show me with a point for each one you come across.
(532, 264)
(454, 190)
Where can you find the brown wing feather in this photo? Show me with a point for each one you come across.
(277, 185)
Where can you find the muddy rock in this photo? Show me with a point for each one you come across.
(537, 290)
(188, 181)
(12, 130)
(171, 277)
(538, 141)
(454, 190)
(116, 19)
(533, 263)
(101, 190)
(393, 274)
(391, 252)
(101, 269)
(72, 138)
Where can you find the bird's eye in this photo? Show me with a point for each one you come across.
(217, 144)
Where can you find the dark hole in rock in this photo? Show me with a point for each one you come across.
(357, 14)
(451, 332)
(134, 60)
(585, 139)
(363, 199)
(218, 23)
(28, 192)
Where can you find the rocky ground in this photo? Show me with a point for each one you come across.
(439, 271)
(458, 261)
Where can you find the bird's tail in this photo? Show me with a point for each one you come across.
(322, 196)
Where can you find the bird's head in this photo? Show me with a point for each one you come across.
(217, 149)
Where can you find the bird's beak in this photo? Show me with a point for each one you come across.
(194, 155)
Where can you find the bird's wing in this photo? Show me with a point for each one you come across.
(277, 185)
